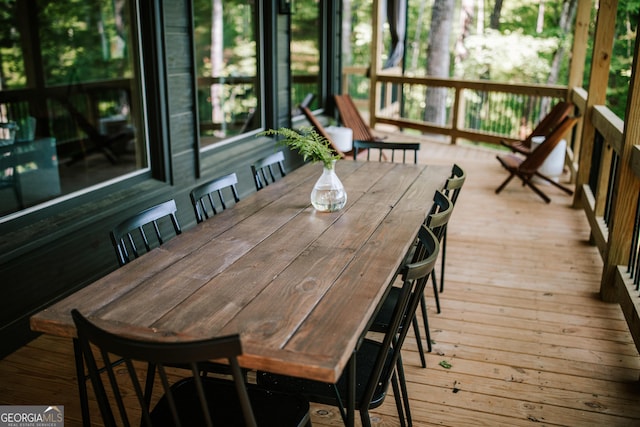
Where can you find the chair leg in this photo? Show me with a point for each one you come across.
(443, 255)
(399, 396)
(405, 392)
(531, 185)
(506, 181)
(365, 418)
(416, 331)
(82, 384)
(434, 281)
(555, 184)
(423, 307)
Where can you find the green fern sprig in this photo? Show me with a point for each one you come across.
(307, 142)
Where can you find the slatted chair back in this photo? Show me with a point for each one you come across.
(263, 169)
(204, 200)
(320, 130)
(534, 161)
(552, 120)
(454, 183)
(141, 360)
(545, 127)
(438, 217)
(351, 118)
(194, 401)
(128, 236)
(384, 147)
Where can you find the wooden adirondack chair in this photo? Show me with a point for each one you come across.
(525, 168)
(321, 131)
(551, 121)
(351, 118)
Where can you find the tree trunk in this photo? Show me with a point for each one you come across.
(494, 21)
(415, 44)
(438, 59)
(347, 54)
(217, 65)
(566, 23)
(466, 19)
(540, 22)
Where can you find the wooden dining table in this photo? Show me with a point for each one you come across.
(299, 286)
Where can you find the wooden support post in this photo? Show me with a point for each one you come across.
(374, 68)
(599, 77)
(576, 71)
(625, 194)
(580, 43)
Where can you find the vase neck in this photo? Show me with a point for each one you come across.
(330, 166)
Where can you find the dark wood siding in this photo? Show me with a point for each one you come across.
(49, 253)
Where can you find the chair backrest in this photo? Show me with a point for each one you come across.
(551, 121)
(439, 214)
(126, 236)
(351, 118)
(206, 191)
(384, 147)
(262, 170)
(414, 278)
(114, 396)
(534, 160)
(320, 130)
(454, 183)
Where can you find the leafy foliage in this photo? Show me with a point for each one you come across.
(526, 63)
(307, 142)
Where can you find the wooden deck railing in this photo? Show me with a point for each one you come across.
(610, 195)
(481, 111)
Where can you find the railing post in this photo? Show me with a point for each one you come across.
(580, 43)
(625, 194)
(458, 108)
(376, 47)
(599, 77)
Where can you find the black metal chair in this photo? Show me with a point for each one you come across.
(452, 190)
(124, 238)
(384, 147)
(192, 401)
(262, 170)
(378, 363)
(206, 191)
(435, 221)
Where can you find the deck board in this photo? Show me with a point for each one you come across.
(527, 338)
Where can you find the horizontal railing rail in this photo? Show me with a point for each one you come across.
(480, 111)
(65, 112)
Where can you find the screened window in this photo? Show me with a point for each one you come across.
(227, 68)
(70, 92)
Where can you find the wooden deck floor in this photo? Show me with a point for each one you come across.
(526, 337)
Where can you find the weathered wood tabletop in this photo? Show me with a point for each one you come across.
(298, 285)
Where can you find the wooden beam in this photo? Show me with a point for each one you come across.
(580, 43)
(625, 194)
(375, 66)
(599, 77)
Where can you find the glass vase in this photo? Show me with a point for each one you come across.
(328, 193)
